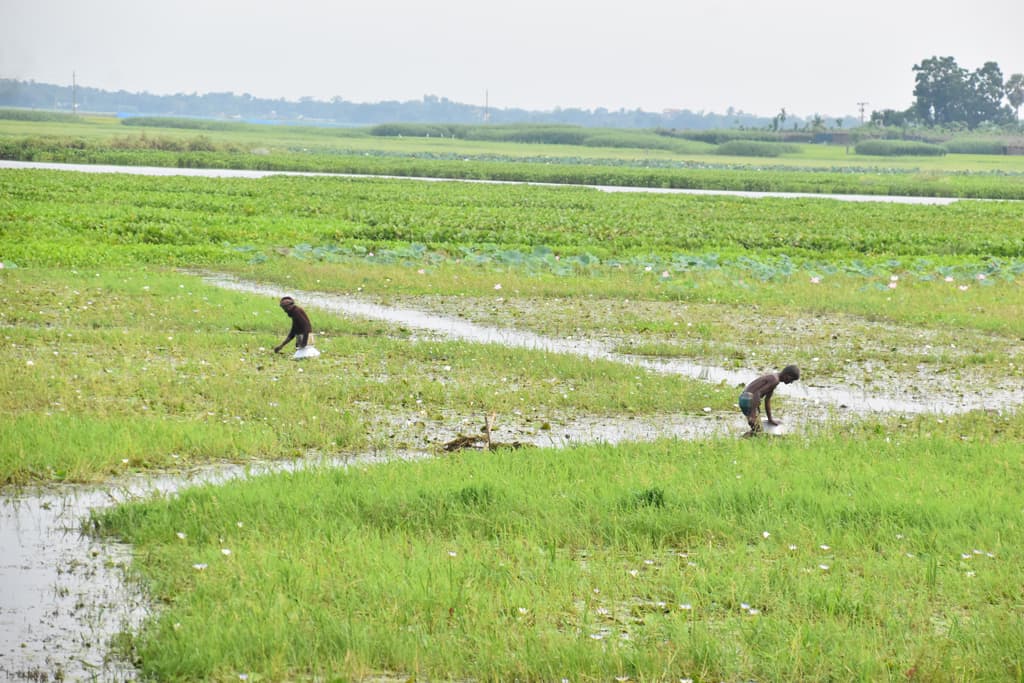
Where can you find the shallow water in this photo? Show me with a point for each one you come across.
(63, 594)
(902, 400)
(241, 173)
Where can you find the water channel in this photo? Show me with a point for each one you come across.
(63, 593)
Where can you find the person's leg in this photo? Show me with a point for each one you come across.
(300, 341)
(750, 412)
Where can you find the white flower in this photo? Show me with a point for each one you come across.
(664, 273)
(181, 535)
(963, 288)
(497, 286)
(686, 606)
(981, 276)
(823, 567)
(765, 534)
(225, 551)
(949, 278)
(815, 280)
(452, 553)
(199, 567)
(894, 278)
(892, 285)
(825, 547)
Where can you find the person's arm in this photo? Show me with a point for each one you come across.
(768, 406)
(291, 335)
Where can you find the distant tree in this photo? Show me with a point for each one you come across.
(939, 91)
(985, 90)
(890, 118)
(947, 94)
(1014, 87)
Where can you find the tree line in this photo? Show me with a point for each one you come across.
(949, 96)
(338, 111)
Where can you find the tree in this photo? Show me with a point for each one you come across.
(947, 94)
(1015, 92)
(939, 91)
(984, 97)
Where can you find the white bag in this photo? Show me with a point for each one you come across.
(306, 352)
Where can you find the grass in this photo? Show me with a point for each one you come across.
(847, 556)
(863, 550)
(140, 369)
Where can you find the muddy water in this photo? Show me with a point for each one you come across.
(905, 400)
(63, 594)
(241, 173)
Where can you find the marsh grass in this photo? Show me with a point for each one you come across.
(882, 553)
(120, 370)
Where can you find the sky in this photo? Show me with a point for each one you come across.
(757, 57)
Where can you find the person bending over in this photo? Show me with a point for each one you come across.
(762, 388)
(301, 327)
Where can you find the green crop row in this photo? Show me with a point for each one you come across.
(60, 218)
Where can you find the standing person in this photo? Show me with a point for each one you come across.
(301, 330)
(764, 387)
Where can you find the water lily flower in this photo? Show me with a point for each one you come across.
(963, 288)
(892, 285)
(949, 278)
(199, 567)
(823, 567)
(181, 535)
(497, 286)
(825, 547)
(225, 551)
(664, 273)
(981, 276)
(894, 278)
(765, 534)
(815, 280)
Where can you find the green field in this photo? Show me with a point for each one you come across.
(861, 546)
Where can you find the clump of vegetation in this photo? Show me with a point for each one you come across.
(755, 148)
(977, 146)
(892, 148)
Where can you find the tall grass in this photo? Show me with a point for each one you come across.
(877, 554)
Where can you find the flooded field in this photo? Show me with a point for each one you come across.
(240, 173)
(64, 595)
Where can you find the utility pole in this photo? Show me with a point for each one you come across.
(862, 105)
(487, 106)
(74, 94)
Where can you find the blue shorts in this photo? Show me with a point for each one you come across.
(747, 405)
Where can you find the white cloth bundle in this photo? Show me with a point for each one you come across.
(306, 352)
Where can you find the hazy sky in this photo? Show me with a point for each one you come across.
(809, 57)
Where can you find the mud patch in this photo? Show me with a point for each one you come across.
(922, 392)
